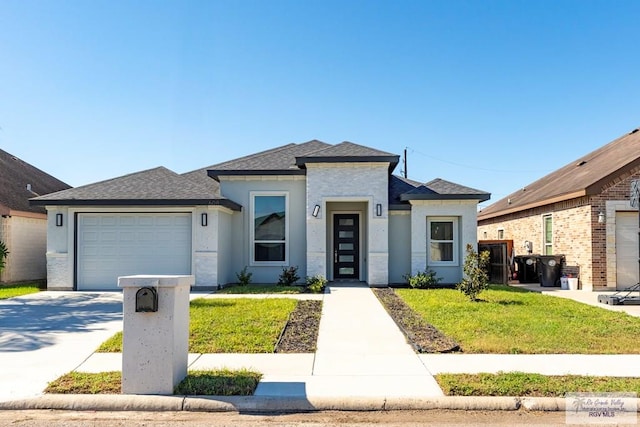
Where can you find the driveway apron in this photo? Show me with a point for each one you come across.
(48, 334)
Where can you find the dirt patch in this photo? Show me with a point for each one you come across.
(300, 335)
(424, 337)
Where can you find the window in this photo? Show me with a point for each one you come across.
(442, 242)
(270, 228)
(500, 233)
(547, 225)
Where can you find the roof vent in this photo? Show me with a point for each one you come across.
(508, 201)
(30, 190)
(581, 163)
(634, 131)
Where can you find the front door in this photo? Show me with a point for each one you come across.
(346, 251)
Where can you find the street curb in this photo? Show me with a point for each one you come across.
(274, 404)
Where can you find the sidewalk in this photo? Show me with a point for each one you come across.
(362, 361)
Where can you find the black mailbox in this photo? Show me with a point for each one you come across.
(146, 300)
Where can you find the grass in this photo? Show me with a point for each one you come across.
(11, 291)
(221, 382)
(230, 325)
(261, 289)
(534, 385)
(509, 320)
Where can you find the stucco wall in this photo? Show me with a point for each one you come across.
(399, 245)
(25, 238)
(349, 182)
(421, 210)
(239, 190)
(226, 273)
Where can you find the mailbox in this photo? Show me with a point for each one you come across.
(146, 300)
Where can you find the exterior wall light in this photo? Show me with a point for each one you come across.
(601, 217)
(379, 209)
(316, 211)
(204, 219)
(59, 220)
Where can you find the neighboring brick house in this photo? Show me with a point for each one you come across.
(582, 211)
(23, 228)
(331, 210)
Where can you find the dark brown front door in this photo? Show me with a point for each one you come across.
(346, 251)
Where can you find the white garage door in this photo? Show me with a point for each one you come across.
(119, 244)
(626, 249)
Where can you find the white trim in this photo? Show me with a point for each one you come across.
(252, 196)
(456, 241)
(544, 234)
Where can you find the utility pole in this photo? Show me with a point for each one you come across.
(405, 162)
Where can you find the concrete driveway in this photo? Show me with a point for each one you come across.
(48, 334)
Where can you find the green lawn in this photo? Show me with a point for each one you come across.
(221, 382)
(10, 291)
(512, 320)
(261, 289)
(234, 325)
(523, 384)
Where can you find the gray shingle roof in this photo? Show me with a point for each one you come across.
(583, 177)
(158, 186)
(348, 152)
(281, 160)
(401, 190)
(440, 189)
(15, 174)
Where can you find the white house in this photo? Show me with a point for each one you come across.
(333, 210)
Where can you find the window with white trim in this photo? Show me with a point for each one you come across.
(442, 241)
(269, 228)
(547, 231)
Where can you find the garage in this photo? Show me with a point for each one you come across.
(626, 249)
(119, 244)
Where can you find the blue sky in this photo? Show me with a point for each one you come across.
(488, 94)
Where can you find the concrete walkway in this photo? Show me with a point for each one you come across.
(361, 352)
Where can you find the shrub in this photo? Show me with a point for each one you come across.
(244, 277)
(289, 276)
(315, 284)
(3, 255)
(475, 278)
(423, 279)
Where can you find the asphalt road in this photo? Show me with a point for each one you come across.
(49, 418)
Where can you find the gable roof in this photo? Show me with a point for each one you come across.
(585, 176)
(279, 160)
(402, 190)
(158, 186)
(15, 175)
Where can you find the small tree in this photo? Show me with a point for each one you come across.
(4, 252)
(475, 278)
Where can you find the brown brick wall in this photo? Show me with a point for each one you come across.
(576, 230)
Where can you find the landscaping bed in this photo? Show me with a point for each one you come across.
(300, 334)
(424, 338)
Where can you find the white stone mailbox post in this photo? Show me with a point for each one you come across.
(155, 339)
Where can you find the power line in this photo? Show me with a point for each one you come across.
(469, 166)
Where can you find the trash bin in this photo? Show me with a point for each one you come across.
(527, 266)
(550, 270)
